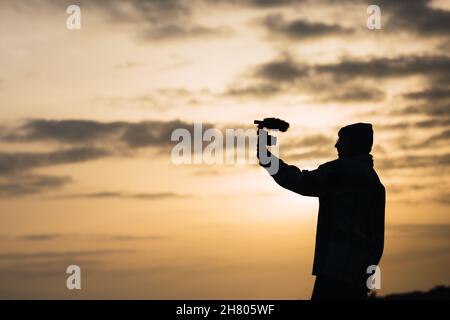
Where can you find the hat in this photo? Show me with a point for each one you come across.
(359, 137)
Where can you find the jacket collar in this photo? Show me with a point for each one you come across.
(365, 158)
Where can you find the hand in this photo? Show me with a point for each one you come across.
(257, 142)
(264, 149)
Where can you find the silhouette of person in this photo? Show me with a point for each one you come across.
(350, 224)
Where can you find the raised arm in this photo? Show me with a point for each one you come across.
(308, 183)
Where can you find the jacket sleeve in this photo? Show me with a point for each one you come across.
(308, 183)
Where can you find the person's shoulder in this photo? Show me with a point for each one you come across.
(330, 164)
(345, 165)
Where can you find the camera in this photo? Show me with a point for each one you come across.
(272, 124)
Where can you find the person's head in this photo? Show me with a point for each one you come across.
(355, 139)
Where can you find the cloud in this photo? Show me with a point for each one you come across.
(315, 153)
(131, 134)
(264, 90)
(442, 136)
(121, 195)
(351, 80)
(133, 11)
(258, 4)
(285, 75)
(354, 93)
(52, 263)
(433, 122)
(284, 69)
(413, 161)
(180, 32)
(443, 198)
(42, 237)
(71, 131)
(415, 255)
(419, 230)
(125, 237)
(18, 271)
(422, 124)
(79, 141)
(271, 3)
(416, 15)
(154, 20)
(301, 29)
(96, 237)
(431, 109)
(310, 141)
(431, 94)
(60, 254)
(313, 146)
(401, 66)
(22, 161)
(151, 17)
(21, 185)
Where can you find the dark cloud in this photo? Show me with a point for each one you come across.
(132, 134)
(58, 236)
(431, 109)
(429, 123)
(301, 29)
(354, 94)
(418, 16)
(433, 122)
(79, 139)
(133, 11)
(22, 161)
(42, 237)
(415, 15)
(154, 20)
(285, 75)
(311, 86)
(431, 94)
(152, 16)
(342, 79)
(271, 3)
(125, 237)
(443, 136)
(432, 66)
(122, 195)
(179, 32)
(413, 161)
(22, 185)
(264, 90)
(281, 70)
(443, 198)
(263, 4)
(62, 130)
(153, 133)
(397, 188)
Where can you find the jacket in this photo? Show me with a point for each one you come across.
(350, 224)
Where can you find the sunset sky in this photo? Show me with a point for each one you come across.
(86, 175)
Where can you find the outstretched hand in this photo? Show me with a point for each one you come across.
(264, 150)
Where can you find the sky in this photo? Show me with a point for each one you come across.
(86, 173)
